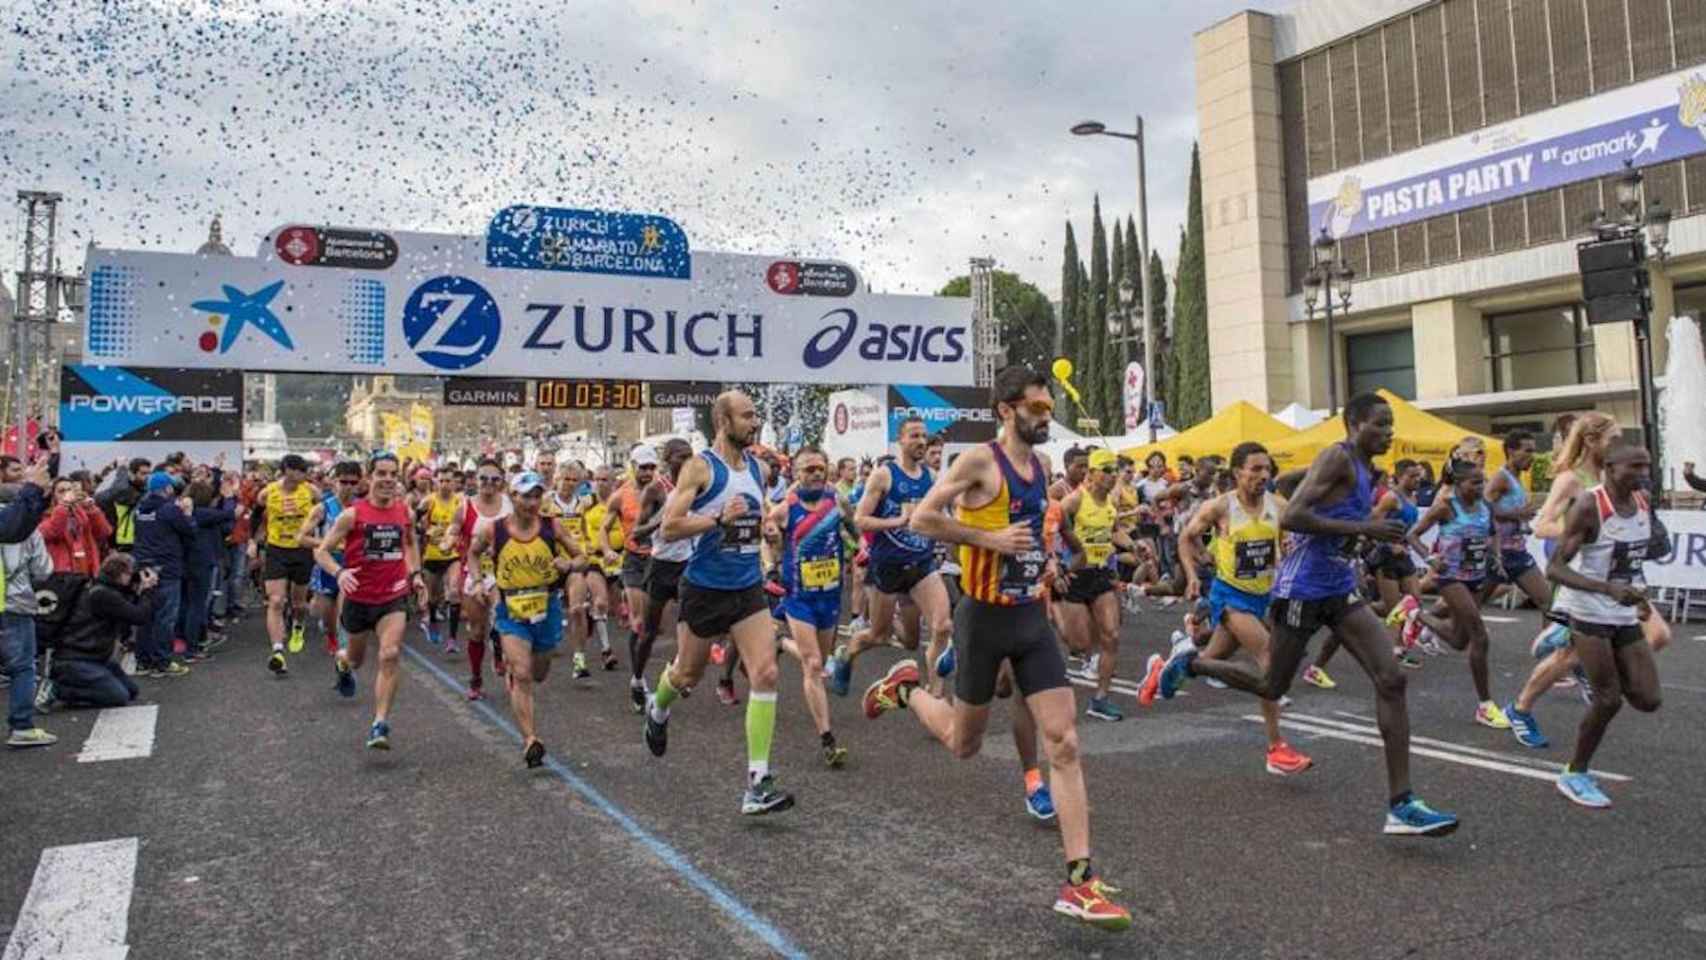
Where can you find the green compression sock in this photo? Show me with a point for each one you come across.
(760, 728)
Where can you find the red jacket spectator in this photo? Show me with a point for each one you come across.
(76, 531)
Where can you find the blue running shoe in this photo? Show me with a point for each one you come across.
(1525, 728)
(1104, 708)
(945, 662)
(346, 680)
(1177, 671)
(1555, 637)
(379, 736)
(1582, 789)
(1413, 818)
(840, 675)
(1040, 804)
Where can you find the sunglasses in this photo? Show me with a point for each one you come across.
(491, 479)
(1036, 408)
(1110, 471)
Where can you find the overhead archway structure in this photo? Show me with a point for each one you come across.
(545, 292)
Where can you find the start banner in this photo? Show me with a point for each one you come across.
(513, 304)
(114, 413)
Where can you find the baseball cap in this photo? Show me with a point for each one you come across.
(644, 456)
(1103, 457)
(159, 481)
(526, 482)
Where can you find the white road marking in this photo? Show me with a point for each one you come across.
(1118, 686)
(1490, 618)
(1550, 765)
(78, 907)
(121, 733)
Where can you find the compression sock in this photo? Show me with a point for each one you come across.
(455, 618)
(1079, 871)
(1033, 780)
(476, 655)
(760, 728)
(603, 633)
(665, 695)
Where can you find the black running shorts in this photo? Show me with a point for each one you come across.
(1620, 635)
(634, 570)
(1307, 616)
(289, 563)
(364, 617)
(985, 634)
(1087, 586)
(711, 613)
(663, 580)
(898, 578)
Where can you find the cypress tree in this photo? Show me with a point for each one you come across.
(1096, 353)
(1158, 324)
(1190, 313)
(1113, 379)
(1069, 294)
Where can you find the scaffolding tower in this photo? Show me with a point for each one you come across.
(986, 336)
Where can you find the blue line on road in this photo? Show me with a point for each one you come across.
(671, 857)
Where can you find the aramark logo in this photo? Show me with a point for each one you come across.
(900, 341)
(240, 309)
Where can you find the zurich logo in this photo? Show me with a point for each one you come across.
(451, 322)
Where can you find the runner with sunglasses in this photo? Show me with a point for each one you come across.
(438, 514)
(997, 494)
(478, 581)
(1091, 607)
(346, 479)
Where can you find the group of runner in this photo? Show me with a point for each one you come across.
(989, 562)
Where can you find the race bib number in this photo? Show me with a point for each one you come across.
(1252, 558)
(528, 606)
(1022, 574)
(1097, 554)
(383, 541)
(741, 535)
(1626, 560)
(1475, 552)
(820, 574)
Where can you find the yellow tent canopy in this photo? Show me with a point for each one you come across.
(1218, 434)
(1417, 435)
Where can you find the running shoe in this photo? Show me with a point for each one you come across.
(214, 641)
(276, 663)
(1489, 715)
(1583, 790)
(1409, 661)
(834, 756)
(1429, 642)
(1284, 761)
(534, 755)
(1525, 728)
(1317, 677)
(1405, 608)
(428, 635)
(840, 672)
(1104, 708)
(762, 797)
(298, 638)
(1584, 686)
(610, 661)
(726, 693)
(172, 668)
(1039, 803)
(346, 680)
(1174, 674)
(379, 736)
(581, 672)
(637, 694)
(884, 695)
(657, 732)
(1151, 681)
(945, 662)
(1550, 640)
(1413, 818)
(1088, 902)
(451, 648)
(475, 693)
(32, 737)
(197, 656)
(1413, 630)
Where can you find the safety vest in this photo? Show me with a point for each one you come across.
(124, 532)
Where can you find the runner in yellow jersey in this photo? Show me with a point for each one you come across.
(439, 513)
(280, 510)
(567, 507)
(604, 583)
(1089, 543)
(1245, 524)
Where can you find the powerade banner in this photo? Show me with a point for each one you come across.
(956, 414)
(440, 308)
(1651, 122)
(588, 241)
(112, 413)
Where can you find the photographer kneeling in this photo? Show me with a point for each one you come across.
(86, 671)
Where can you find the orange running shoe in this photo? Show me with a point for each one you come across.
(1088, 902)
(1283, 761)
(884, 695)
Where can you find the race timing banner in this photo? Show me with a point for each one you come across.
(545, 292)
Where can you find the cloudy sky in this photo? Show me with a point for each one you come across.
(902, 137)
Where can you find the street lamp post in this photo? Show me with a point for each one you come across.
(1091, 128)
(1329, 275)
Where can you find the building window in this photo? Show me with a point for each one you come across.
(1552, 347)
(1381, 360)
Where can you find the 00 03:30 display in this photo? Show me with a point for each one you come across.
(590, 395)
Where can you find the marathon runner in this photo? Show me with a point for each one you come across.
(438, 514)
(663, 573)
(998, 493)
(380, 568)
(808, 523)
(1597, 567)
(280, 511)
(1316, 587)
(1091, 607)
(530, 554)
(901, 559)
(718, 502)
(627, 513)
(604, 583)
(479, 582)
(1245, 527)
(1513, 510)
(1465, 520)
(346, 483)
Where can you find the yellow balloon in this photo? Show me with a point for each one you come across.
(1062, 369)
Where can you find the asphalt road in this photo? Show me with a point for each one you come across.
(263, 829)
